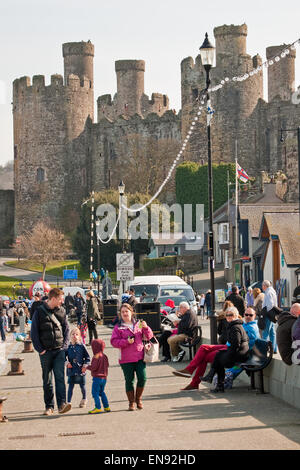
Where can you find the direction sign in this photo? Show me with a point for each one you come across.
(125, 266)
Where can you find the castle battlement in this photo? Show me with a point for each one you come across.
(37, 84)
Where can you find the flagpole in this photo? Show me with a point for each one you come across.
(236, 201)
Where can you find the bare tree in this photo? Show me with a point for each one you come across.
(43, 244)
(145, 162)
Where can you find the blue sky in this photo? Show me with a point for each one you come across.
(161, 32)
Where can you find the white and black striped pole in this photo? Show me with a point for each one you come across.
(92, 240)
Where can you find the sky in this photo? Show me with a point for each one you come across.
(161, 32)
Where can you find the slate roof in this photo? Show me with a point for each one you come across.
(286, 226)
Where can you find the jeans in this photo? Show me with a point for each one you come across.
(73, 380)
(2, 331)
(98, 387)
(53, 362)
(269, 333)
(205, 354)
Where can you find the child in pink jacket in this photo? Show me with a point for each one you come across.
(128, 336)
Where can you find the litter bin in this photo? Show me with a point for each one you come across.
(110, 310)
(150, 313)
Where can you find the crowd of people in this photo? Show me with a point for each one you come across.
(242, 320)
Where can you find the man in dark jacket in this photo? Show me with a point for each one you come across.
(186, 329)
(50, 336)
(237, 300)
(285, 321)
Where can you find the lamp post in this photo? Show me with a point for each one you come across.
(97, 222)
(207, 53)
(121, 189)
(298, 141)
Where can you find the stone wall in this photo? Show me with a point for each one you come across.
(7, 209)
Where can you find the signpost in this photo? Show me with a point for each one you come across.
(125, 267)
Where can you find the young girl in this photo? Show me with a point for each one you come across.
(99, 371)
(78, 360)
(83, 327)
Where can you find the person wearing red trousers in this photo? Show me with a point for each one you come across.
(205, 354)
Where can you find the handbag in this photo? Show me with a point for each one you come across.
(151, 350)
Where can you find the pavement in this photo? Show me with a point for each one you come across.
(171, 419)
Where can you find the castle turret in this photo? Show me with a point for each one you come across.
(79, 60)
(281, 75)
(230, 41)
(130, 86)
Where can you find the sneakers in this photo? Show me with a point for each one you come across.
(95, 411)
(64, 408)
(83, 403)
(48, 412)
(107, 410)
(182, 373)
(179, 357)
(189, 388)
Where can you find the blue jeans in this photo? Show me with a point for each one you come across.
(269, 333)
(98, 387)
(72, 381)
(2, 331)
(53, 362)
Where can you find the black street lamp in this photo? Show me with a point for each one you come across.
(298, 141)
(121, 189)
(207, 53)
(97, 222)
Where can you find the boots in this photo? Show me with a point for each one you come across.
(138, 396)
(130, 396)
(208, 377)
(219, 387)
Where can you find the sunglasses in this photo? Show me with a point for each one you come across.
(229, 315)
(249, 315)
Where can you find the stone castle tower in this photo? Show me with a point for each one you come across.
(61, 154)
(241, 114)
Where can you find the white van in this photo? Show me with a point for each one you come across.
(161, 286)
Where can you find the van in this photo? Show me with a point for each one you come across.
(161, 286)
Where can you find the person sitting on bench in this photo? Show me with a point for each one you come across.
(186, 329)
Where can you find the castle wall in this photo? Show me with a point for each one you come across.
(7, 208)
(281, 75)
(48, 122)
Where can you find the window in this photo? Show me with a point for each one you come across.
(224, 233)
(40, 175)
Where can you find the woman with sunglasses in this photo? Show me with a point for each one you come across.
(237, 350)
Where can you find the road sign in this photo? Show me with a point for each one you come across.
(70, 273)
(125, 266)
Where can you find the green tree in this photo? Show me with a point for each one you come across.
(192, 184)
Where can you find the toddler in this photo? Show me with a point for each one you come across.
(99, 370)
(78, 360)
(83, 327)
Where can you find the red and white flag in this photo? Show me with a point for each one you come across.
(241, 174)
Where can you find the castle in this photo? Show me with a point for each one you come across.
(61, 154)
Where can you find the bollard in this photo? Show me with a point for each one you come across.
(3, 419)
(16, 366)
(12, 328)
(27, 346)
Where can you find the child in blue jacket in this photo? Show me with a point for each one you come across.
(78, 360)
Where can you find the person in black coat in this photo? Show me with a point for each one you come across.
(237, 300)
(285, 322)
(79, 304)
(237, 351)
